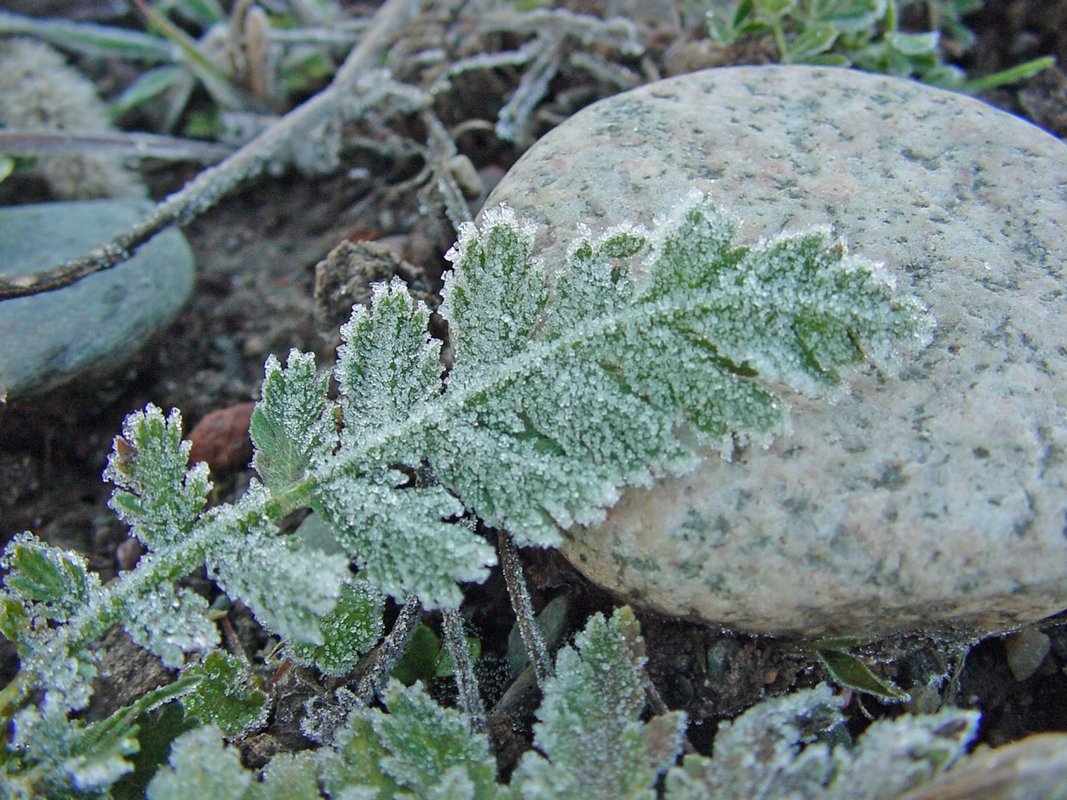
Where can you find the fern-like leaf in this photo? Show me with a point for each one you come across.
(292, 425)
(412, 751)
(596, 698)
(157, 493)
(625, 370)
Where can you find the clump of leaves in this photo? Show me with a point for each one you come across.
(590, 742)
(569, 381)
(864, 34)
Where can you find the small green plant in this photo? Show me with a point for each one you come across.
(864, 34)
(568, 381)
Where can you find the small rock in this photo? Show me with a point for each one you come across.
(1026, 650)
(97, 324)
(935, 500)
(221, 438)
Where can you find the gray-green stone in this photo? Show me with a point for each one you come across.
(96, 324)
(933, 500)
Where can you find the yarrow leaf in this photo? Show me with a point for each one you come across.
(292, 424)
(596, 698)
(157, 493)
(782, 748)
(651, 362)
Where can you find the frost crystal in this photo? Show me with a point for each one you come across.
(172, 624)
(157, 494)
(773, 751)
(557, 400)
(596, 698)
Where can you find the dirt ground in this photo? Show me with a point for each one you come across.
(255, 295)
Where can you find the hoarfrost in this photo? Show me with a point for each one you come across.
(288, 587)
(388, 366)
(156, 492)
(292, 426)
(170, 624)
(777, 749)
(596, 698)
(200, 766)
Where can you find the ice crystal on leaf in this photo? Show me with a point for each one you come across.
(596, 699)
(774, 750)
(557, 399)
(157, 493)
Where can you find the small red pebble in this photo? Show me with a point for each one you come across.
(221, 438)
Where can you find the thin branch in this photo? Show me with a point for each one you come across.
(524, 613)
(33, 142)
(470, 699)
(214, 183)
(388, 653)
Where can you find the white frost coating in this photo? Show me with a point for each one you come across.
(171, 624)
(773, 752)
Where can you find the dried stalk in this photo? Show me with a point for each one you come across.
(213, 184)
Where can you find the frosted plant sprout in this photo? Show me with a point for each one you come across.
(591, 742)
(569, 382)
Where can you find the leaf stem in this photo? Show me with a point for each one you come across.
(470, 699)
(519, 593)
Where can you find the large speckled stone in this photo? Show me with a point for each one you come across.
(99, 323)
(934, 500)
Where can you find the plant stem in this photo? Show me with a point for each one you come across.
(388, 653)
(519, 594)
(470, 699)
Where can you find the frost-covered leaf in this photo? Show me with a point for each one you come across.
(292, 424)
(200, 766)
(903, 753)
(289, 776)
(45, 582)
(494, 295)
(171, 624)
(402, 538)
(287, 585)
(156, 493)
(225, 695)
(411, 750)
(594, 743)
(774, 751)
(555, 402)
(760, 755)
(349, 631)
(387, 366)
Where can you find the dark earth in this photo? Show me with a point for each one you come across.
(268, 282)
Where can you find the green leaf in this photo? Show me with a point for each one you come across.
(414, 749)
(156, 494)
(388, 367)
(292, 425)
(149, 84)
(98, 41)
(43, 580)
(348, 631)
(815, 40)
(596, 699)
(913, 44)
(624, 383)
(200, 767)
(849, 671)
(171, 624)
(419, 662)
(225, 695)
(402, 538)
(494, 296)
(288, 585)
(848, 16)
